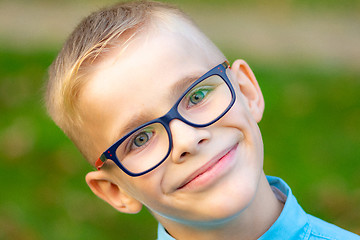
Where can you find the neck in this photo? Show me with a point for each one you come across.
(250, 223)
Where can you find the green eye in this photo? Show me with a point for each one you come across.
(198, 96)
(142, 138)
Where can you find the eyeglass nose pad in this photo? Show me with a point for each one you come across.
(186, 140)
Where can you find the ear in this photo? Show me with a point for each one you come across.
(112, 193)
(249, 87)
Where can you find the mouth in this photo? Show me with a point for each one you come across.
(209, 172)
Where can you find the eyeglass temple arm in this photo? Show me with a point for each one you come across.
(100, 162)
(226, 64)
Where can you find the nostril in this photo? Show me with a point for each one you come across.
(183, 154)
(201, 141)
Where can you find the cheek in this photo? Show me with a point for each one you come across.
(238, 116)
(145, 189)
(241, 119)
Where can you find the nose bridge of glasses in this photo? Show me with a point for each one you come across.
(172, 114)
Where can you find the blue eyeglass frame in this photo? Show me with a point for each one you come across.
(173, 113)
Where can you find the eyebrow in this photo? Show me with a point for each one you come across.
(176, 90)
(134, 122)
(180, 86)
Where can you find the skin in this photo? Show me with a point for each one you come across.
(234, 200)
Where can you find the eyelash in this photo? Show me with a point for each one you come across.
(130, 143)
(208, 90)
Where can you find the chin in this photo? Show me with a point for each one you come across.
(233, 206)
(213, 212)
(234, 199)
(226, 206)
(218, 216)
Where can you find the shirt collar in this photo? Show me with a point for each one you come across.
(292, 223)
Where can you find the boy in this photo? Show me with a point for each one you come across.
(175, 126)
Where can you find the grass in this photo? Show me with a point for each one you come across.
(310, 130)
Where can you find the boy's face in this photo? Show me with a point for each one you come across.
(221, 163)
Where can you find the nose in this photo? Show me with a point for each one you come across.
(187, 140)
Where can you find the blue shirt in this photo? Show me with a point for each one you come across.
(293, 223)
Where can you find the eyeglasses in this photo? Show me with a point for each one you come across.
(143, 149)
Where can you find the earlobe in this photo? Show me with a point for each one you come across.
(112, 193)
(249, 87)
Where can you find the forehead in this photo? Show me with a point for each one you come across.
(136, 81)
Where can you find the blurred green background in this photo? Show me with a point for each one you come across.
(305, 54)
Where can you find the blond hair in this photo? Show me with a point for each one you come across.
(91, 40)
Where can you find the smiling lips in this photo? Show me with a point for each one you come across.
(209, 171)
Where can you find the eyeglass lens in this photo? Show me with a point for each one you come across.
(145, 148)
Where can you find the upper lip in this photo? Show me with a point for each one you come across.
(205, 167)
